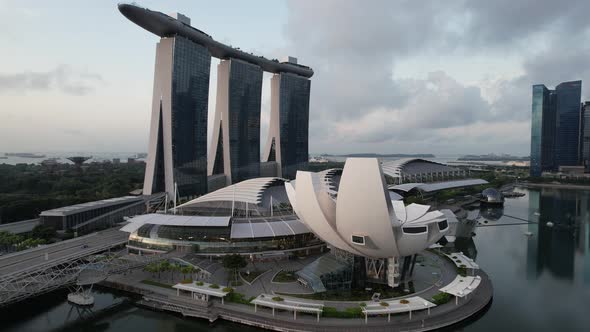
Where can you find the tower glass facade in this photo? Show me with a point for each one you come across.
(539, 94)
(177, 152)
(567, 133)
(245, 92)
(585, 136)
(294, 123)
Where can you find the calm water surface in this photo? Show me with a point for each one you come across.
(541, 282)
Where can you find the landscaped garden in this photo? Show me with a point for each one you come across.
(285, 276)
(250, 276)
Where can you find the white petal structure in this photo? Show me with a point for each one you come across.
(354, 212)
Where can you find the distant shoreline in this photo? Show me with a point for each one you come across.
(556, 185)
(377, 155)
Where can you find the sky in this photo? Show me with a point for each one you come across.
(391, 76)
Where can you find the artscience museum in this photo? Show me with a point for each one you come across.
(353, 212)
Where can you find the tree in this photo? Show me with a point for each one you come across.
(234, 262)
(43, 232)
(187, 269)
(153, 268)
(163, 267)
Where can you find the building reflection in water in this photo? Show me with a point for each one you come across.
(554, 248)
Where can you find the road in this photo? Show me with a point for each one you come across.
(32, 258)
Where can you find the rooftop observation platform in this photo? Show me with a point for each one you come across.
(164, 25)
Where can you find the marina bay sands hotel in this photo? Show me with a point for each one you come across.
(177, 152)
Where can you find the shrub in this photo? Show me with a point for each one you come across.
(239, 298)
(330, 312)
(363, 304)
(214, 286)
(462, 271)
(278, 299)
(404, 301)
(441, 298)
(385, 304)
(200, 283)
(228, 289)
(352, 312)
(186, 281)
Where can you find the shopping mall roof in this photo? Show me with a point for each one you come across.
(174, 220)
(241, 228)
(73, 209)
(436, 186)
(399, 167)
(248, 191)
(267, 227)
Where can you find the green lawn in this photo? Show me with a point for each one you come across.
(285, 276)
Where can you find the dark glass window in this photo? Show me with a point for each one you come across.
(358, 239)
(443, 225)
(415, 230)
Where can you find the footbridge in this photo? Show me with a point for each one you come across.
(39, 270)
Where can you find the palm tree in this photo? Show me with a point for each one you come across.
(187, 269)
(164, 266)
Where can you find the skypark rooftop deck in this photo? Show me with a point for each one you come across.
(165, 26)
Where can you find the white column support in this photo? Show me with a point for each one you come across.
(222, 300)
(295, 314)
(255, 307)
(456, 300)
(318, 316)
(177, 292)
(388, 317)
(410, 314)
(365, 318)
(273, 312)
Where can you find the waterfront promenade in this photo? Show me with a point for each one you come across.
(166, 299)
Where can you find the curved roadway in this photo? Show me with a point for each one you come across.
(32, 258)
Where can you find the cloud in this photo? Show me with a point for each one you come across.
(63, 78)
(357, 102)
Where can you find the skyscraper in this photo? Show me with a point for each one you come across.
(585, 136)
(177, 150)
(555, 121)
(287, 142)
(542, 130)
(235, 149)
(567, 132)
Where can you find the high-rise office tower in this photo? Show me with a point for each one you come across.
(287, 142)
(555, 124)
(585, 136)
(567, 132)
(542, 130)
(177, 150)
(235, 149)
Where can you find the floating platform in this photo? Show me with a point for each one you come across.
(81, 299)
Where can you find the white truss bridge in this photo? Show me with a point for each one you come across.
(40, 270)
